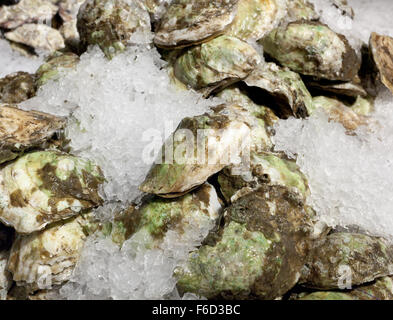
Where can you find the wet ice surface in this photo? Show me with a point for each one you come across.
(12, 61)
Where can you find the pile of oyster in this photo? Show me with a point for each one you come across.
(267, 60)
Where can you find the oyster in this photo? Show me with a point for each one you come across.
(68, 11)
(5, 276)
(353, 88)
(111, 23)
(256, 18)
(260, 250)
(203, 145)
(313, 49)
(382, 52)
(367, 258)
(21, 130)
(54, 66)
(47, 258)
(381, 289)
(189, 22)
(266, 168)
(156, 216)
(216, 63)
(339, 112)
(38, 36)
(26, 11)
(291, 95)
(301, 10)
(47, 186)
(17, 87)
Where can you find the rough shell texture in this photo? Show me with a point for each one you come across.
(157, 215)
(291, 95)
(47, 258)
(203, 145)
(44, 187)
(301, 10)
(38, 36)
(216, 63)
(68, 11)
(367, 258)
(266, 168)
(20, 130)
(17, 87)
(313, 49)
(111, 23)
(381, 289)
(189, 22)
(157, 8)
(258, 253)
(382, 52)
(5, 276)
(256, 18)
(339, 112)
(26, 11)
(54, 66)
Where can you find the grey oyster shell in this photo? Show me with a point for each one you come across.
(259, 252)
(216, 63)
(111, 23)
(381, 48)
(26, 11)
(190, 22)
(17, 87)
(45, 187)
(202, 146)
(366, 259)
(38, 36)
(21, 130)
(5, 276)
(68, 11)
(313, 49)
(47, 258)
(291, 94)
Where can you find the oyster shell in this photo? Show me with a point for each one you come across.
(38, 36)
(301, 10)
(68, 11)
(381, 289)
(5, 276)
(382, 52)
(46, 258)
(286, 86)
(256, 18)
(353, 88)
(216, 63)
(21, 130)
(203, 145)
(339, 112)
(313, 49)
(260, 250)
(17, 87)
(26, 11)
(47, 186)
(189, 22)
(157, 8)
(367, 258)
(54, 66)
(111, 23)
(156, 216)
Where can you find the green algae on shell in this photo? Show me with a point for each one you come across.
(38, 36)
(203, 145)
(47, 186)
(17, 87)
(216, 63)
(47, 258)
(367, 258)
(256, 18)
(26, 11)
(291, 94)
(155, 216)
(54, 66)
(381, 289)
(110, 24)
(190, 22)
(313, 49)
(381, 48)
(259, 252)
(21, 130)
